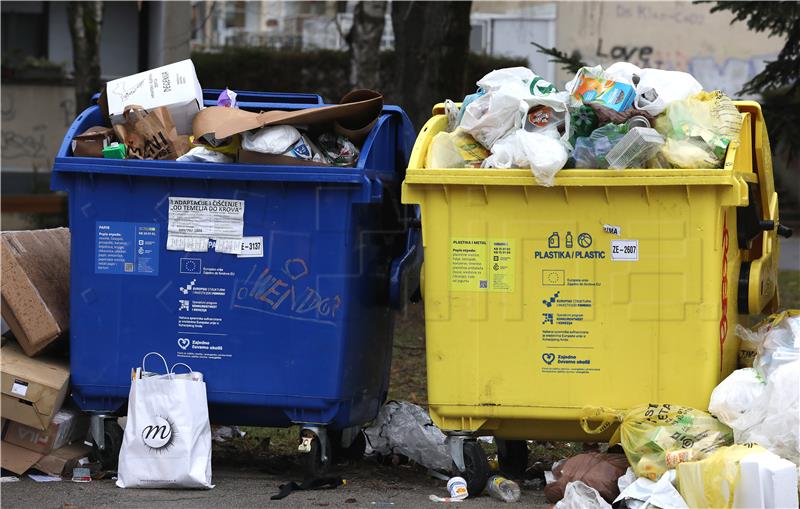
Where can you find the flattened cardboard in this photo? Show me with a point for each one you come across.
(68, 426)
(32, 389)
(17, 459)
(250, 157)
(34, 292)
(223, 122)
(61, 461)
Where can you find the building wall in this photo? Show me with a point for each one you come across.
(668, 35)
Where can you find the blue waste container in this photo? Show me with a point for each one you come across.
(301, 334)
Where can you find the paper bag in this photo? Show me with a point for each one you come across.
(151, 135)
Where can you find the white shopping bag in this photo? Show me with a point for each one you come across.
(167, 441)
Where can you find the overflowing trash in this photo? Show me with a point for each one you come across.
(163, 125)
(620, 117)
(760, 404)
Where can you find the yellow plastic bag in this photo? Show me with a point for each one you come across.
(712, 481)
(659, 437)
(699, 129)
(455, 150)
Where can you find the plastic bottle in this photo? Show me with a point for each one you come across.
(503, 489)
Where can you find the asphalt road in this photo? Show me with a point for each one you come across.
(368, 486)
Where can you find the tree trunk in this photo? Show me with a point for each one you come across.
(431, 41)
(85, 26)
(364, 40)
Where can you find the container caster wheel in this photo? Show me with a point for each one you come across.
(112, 443)
(513, 457)
(315, 459)
(476, 468)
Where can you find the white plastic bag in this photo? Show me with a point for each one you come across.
(644, 493)
(543, 153)
(668, 86)
(733, 401)
(578, 495)
(778, 413)
(270, 140)
(201, 154)
(167, 439)
(508, 94)
(407, 429)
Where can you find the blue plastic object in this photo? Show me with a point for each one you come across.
(302, 334)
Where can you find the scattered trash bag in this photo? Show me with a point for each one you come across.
(644, 493)
(655, 88)
(590, 153)
(578, 495)
(761, 404)
(597, 470)
(407, 429)
(455, 150)
(544, 154)
(778, 340)
(314, 483)
(658, 437)
(698, 130)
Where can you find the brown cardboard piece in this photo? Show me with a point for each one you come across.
(17, 459)
(32, 389)
(68, 426)
(361, 108)
(35, 286)
(63, 460)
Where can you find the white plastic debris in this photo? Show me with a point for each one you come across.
(578, 495)
(644, 493)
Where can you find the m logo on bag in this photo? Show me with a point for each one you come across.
(159, 435)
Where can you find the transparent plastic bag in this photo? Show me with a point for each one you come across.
(590, 153)
(657, 437)
(699, 129)
(733, 400)
(578, 495)
(543, 153)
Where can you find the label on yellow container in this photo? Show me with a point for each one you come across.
(478, 265)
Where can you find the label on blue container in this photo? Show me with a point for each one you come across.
(126, 248)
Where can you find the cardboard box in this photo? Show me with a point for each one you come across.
(32, 389)
(68, 426)
(174, 86)
(59, 462)
(62, 461)
(34, 291)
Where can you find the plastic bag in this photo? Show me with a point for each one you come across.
(699, 129)
(544, 154)
(455, 150)
(580, 496)
(271, 140)
(733, 400)
(201, 154)
(655, 88)
(598, 470)
(658, 437)
(591, 152)
(642, 492)
(407, 429)
(507, 95)
(779, 341)
(711, 482)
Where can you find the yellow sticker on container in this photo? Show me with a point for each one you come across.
(478, 265)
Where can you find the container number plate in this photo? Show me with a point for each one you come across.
(625, 250)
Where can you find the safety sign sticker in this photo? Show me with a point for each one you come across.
(482, 265)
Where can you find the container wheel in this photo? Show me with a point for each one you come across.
(476, 471)
(355, 451)
(112, 436)
(513, 457)
(311, 461)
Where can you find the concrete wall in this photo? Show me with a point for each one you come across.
(667, 35)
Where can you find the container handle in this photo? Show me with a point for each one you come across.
(405, 269)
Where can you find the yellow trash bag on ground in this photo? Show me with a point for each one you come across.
(699, 129)
(656, 438)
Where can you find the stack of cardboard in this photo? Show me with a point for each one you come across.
(36, 431)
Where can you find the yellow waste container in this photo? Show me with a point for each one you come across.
(612, 288)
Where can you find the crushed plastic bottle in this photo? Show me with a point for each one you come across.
(503, 489)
